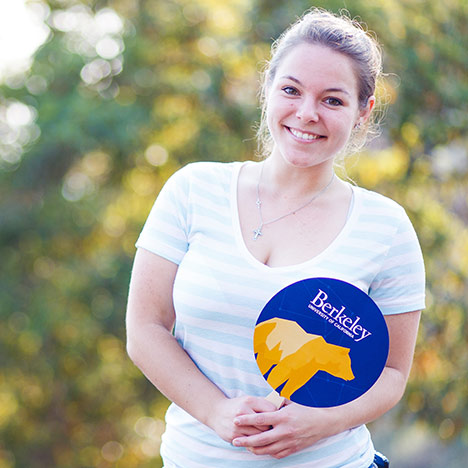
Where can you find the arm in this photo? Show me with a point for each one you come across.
(295, 427)
(153, 348)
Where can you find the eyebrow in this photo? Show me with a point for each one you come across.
(329, 90)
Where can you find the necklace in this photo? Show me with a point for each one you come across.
(258, 232)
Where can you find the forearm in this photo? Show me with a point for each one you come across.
(379, 399)
(389, 388)
(153, 348)
(156, 352)
(295, 427)
(150, 343)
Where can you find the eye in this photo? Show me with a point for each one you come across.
(335, 102)
(290, 90)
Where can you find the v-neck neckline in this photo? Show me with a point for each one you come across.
(247, 254)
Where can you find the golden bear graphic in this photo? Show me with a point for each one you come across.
(296, 355)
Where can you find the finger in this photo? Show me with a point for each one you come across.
(263, 428)
(283, 453)
(270, 450)
(257, 419)
(277, 449)
(255, 441)
(260, 405)
(254, 429)
(248, 430)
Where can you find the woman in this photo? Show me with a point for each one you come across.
(222, 239)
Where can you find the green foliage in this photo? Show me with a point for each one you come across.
(115, 104)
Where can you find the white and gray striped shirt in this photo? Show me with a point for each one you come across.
(220, 289)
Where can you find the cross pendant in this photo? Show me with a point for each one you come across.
(257, 232)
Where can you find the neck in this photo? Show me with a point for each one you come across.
(294, 182)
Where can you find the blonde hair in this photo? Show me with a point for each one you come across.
(341, 34)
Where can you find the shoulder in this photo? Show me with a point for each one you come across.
(201, 174)
(207, 170)
(202, 181)
(378, 204)
(383, 216)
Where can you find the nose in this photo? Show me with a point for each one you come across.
(307, 111)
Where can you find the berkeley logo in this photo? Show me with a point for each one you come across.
(327, 331)
(338, 318)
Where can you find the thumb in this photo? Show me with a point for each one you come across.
(262, 405)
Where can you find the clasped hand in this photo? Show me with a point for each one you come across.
(256, 424)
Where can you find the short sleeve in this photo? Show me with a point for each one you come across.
(165, 232)
(400, 284)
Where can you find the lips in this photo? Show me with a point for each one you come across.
(304, 136)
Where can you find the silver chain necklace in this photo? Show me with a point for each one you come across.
(258, 232)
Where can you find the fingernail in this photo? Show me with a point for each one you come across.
(236, 442)
(236, 421)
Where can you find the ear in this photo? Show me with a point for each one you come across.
(365, 112)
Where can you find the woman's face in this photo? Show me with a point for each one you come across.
(312, 105)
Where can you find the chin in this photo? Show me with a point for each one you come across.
(306, 162)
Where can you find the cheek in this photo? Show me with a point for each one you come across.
(276, 111)
(343, 123)
(272, 115)
(268, 119)
(345, 132)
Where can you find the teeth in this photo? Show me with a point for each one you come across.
(304, 136)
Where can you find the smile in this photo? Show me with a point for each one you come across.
(304, 136)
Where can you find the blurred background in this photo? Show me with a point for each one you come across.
(100, 101)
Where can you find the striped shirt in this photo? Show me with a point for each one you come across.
(220, 288)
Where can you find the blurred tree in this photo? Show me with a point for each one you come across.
(122, 94)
